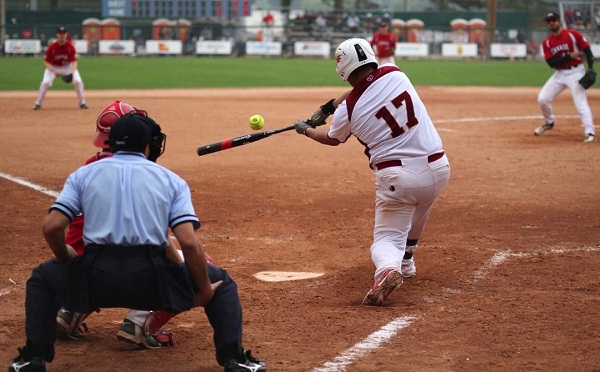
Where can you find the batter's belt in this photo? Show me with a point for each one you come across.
(398, 163)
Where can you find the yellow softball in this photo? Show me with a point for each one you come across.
(256, 122)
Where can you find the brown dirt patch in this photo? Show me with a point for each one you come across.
(507, 268)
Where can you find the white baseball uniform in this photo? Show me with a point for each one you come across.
(387, 116)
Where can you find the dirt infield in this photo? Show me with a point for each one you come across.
(507, 269)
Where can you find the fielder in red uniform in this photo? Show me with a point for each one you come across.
(384, 44)
(564, 50)
(61, 60)
(140, 327)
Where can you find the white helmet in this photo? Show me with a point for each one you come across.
(351, 54)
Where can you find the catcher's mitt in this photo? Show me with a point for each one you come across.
(67, 78)
(588, 79)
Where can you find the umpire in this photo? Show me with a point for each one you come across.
(129, 203)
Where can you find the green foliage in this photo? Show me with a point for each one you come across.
(25, 73)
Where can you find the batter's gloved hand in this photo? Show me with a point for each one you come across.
(588, 79)
(67, 78)
(321, 115)
(303, 125)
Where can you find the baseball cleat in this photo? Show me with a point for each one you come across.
(70, 326)
(408, 268)
(36, 107)
(83, 106)
(542, 128)
(134, 334)
(387, 283)
(590, 137)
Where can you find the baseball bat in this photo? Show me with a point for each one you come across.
(238, 141)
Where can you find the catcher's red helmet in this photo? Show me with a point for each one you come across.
(106, 119)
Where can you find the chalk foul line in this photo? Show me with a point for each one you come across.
(388, 331)
(31, 185)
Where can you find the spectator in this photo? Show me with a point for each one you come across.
(568, 16)
(578, 19)
(353, 23)
(268, 20)
(320, 23)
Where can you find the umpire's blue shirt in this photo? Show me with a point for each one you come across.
(127, 200)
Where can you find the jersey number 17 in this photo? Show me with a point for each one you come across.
(390, 120)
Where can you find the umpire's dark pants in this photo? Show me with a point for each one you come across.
(140, 277)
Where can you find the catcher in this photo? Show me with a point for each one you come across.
(564, 50)
(140, 327)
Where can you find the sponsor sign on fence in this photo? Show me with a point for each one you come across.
(16, 46)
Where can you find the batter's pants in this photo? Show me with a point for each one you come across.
(404, 197)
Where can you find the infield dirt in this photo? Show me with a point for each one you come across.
(507, 270)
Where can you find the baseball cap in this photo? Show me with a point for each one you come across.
(131, 132)
(61, 30)
(552, 16)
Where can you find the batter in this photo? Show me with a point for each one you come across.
(385, 113)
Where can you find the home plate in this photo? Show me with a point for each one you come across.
(282, 276)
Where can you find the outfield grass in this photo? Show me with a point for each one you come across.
(106, 72)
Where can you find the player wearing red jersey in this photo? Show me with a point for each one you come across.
(61, 60)
(384, 44)
(564, 50)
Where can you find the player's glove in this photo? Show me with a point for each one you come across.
(321, 115)
(588, 79)
(67, 78)
(303, 125)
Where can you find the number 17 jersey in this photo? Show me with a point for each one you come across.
(386, 115)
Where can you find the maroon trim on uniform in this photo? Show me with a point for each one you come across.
(358, 90)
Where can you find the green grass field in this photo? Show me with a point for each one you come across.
(106, 72)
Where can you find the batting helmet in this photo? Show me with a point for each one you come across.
(352, 54)
(107, 118)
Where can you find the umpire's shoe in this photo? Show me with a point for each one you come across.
(32, 358)
(251, 364)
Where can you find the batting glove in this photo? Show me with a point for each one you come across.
(321, 115)
(302, 126)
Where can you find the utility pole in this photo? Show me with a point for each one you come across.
(491, 21)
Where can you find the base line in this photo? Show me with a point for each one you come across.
(384, 334)
(31, 185)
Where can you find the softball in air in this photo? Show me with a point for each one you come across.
(256, 122)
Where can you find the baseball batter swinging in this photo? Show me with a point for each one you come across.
(61, 60)
(385, 113)
(564, 50)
